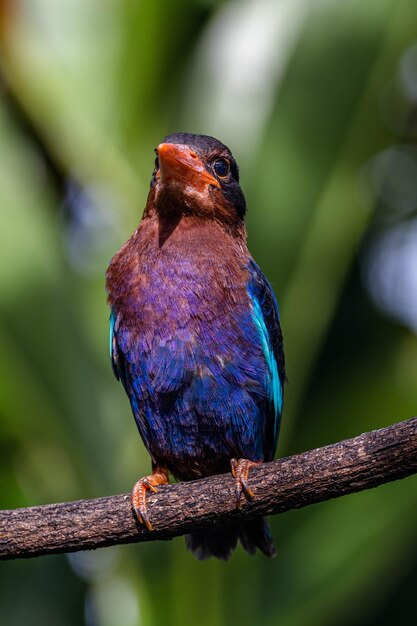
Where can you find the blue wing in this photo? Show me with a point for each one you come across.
(118, 361)
(113, 345)
(117, 356)
(266, 318)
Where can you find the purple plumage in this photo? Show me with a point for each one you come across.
(195, 334)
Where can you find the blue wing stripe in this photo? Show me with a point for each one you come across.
(113, 346)
(112, 323)
(275, 386)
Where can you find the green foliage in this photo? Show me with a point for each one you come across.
(89, 89)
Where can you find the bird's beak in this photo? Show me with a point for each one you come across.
(178, 162)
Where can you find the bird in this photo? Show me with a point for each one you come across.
(195, 336)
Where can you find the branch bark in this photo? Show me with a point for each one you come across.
(349, 466)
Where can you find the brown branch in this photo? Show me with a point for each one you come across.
(353, 465)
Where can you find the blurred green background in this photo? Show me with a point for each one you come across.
(317, 100)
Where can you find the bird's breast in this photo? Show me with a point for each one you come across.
(198, 275)
(194, 366)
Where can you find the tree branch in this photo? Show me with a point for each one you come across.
(353, 465)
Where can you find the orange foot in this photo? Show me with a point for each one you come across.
(240, 472)
(159, 476)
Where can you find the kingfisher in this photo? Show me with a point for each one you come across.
(195, 336)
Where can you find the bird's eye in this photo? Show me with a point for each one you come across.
(221, 167)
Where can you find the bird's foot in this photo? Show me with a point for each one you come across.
(158, 477)
(240, 472)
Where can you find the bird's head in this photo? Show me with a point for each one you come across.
(196, 175)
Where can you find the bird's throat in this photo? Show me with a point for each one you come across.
(167, 223)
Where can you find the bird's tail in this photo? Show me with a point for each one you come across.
(220, 542)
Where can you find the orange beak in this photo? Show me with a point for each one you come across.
(179, 162)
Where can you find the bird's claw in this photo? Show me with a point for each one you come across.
(139, 505)
(240, 472)
(149, 485)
